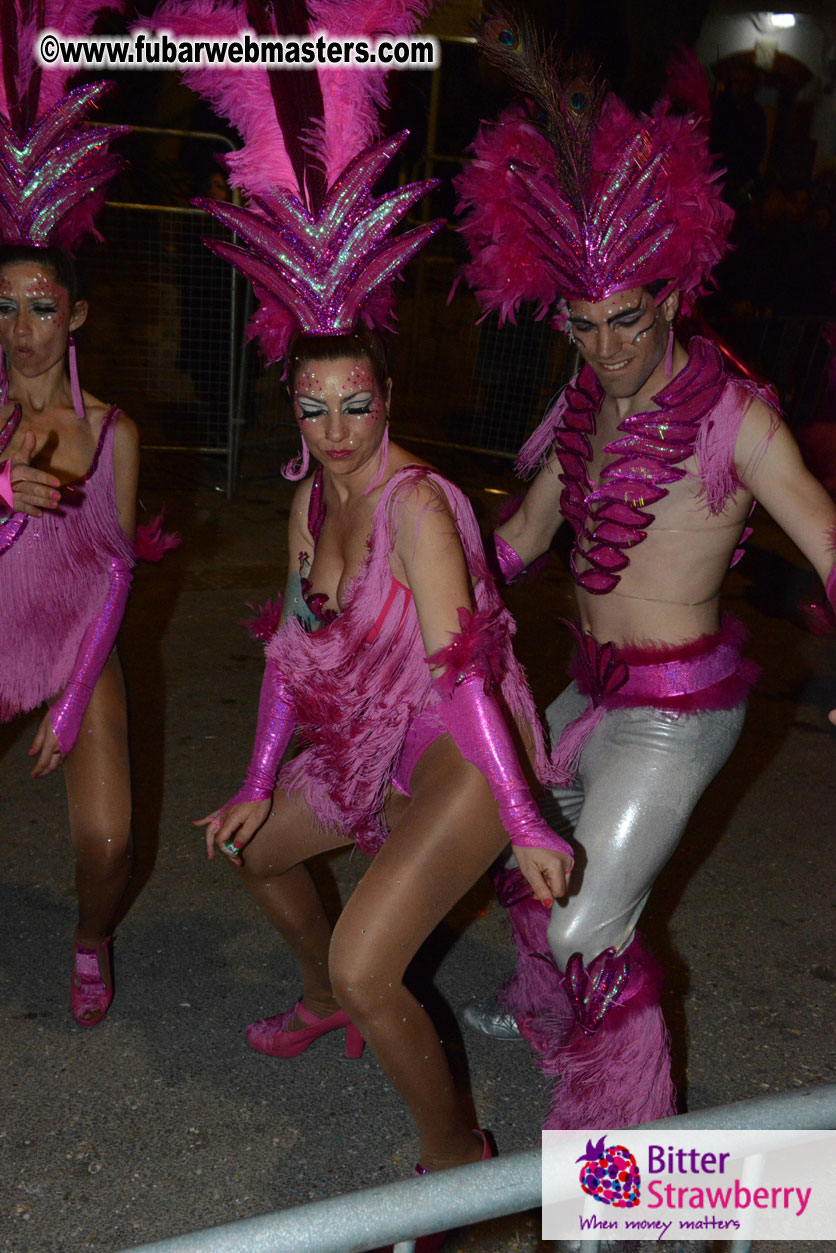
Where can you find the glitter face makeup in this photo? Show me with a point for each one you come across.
(35, 318)
(623, 339)
(341, 410)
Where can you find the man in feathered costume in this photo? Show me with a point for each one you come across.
(654, 454)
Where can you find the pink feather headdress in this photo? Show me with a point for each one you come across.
(589, 199)
(316, 243)
(54, 167)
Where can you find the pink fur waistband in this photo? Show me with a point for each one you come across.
(702, 674)
(698, 676)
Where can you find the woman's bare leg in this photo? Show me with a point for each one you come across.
(441, 842)
(98, 783)
(283, 887)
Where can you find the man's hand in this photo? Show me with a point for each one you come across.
(34, 490)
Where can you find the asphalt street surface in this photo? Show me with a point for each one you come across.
(162, 1120)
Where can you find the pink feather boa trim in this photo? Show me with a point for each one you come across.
(265, 621)
(152, 542)
(620, 1075)
(505, 269)
(481, 644)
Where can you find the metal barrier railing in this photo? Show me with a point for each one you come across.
(164, 309)
(360, 1221)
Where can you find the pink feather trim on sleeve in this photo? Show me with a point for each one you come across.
(152, 542)
(536, 449)
(717, 440)
(478, 645)
(265, 623)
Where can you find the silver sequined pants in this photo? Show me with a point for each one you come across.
(641, 774)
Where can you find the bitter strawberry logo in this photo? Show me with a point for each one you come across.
(610, 1174)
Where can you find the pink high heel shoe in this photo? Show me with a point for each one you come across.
(90, 994)
(271, 1035)
(435, 1242)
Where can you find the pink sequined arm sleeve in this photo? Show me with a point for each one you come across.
(276, 720)
(508, 560)
(830, 588)
(68, 710)
(476, 723)
(7, 493)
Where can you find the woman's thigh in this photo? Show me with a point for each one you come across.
(441, 841)
(289, 835)
(97, 770)
(643, 772)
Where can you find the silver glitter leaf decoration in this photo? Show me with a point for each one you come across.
(48, 176)
(323, 267)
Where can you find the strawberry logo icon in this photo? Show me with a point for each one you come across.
(610, 1174)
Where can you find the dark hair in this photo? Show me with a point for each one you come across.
(360, 342)
(61, 264)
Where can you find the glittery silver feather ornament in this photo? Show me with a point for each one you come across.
(324, 267)
(49, 176)
(623, 225)
(54, 166)
(315, 242)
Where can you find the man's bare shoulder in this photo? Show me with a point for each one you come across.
(759, 426)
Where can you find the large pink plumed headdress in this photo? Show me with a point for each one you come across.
(316, 242)
(54, 167)
(571, 195)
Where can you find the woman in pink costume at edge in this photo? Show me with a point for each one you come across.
(653, 454)
(405, 695)
(68, 475)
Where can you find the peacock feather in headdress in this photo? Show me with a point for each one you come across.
(572, 195)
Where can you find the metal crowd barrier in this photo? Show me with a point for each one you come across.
(164, 313)
(399, 1212)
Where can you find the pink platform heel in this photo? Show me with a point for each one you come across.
(90, 994)
(435, 1242)
(271, 1035)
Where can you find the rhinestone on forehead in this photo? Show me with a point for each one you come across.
(360, 376)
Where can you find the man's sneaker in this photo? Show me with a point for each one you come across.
(491, 1019)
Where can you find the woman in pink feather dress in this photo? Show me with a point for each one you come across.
(70, 466)
(393, 665)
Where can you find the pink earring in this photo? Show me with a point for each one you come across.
(4, 379)
(298, 467)
(669, 353)
(383, 460)
(75, 386)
